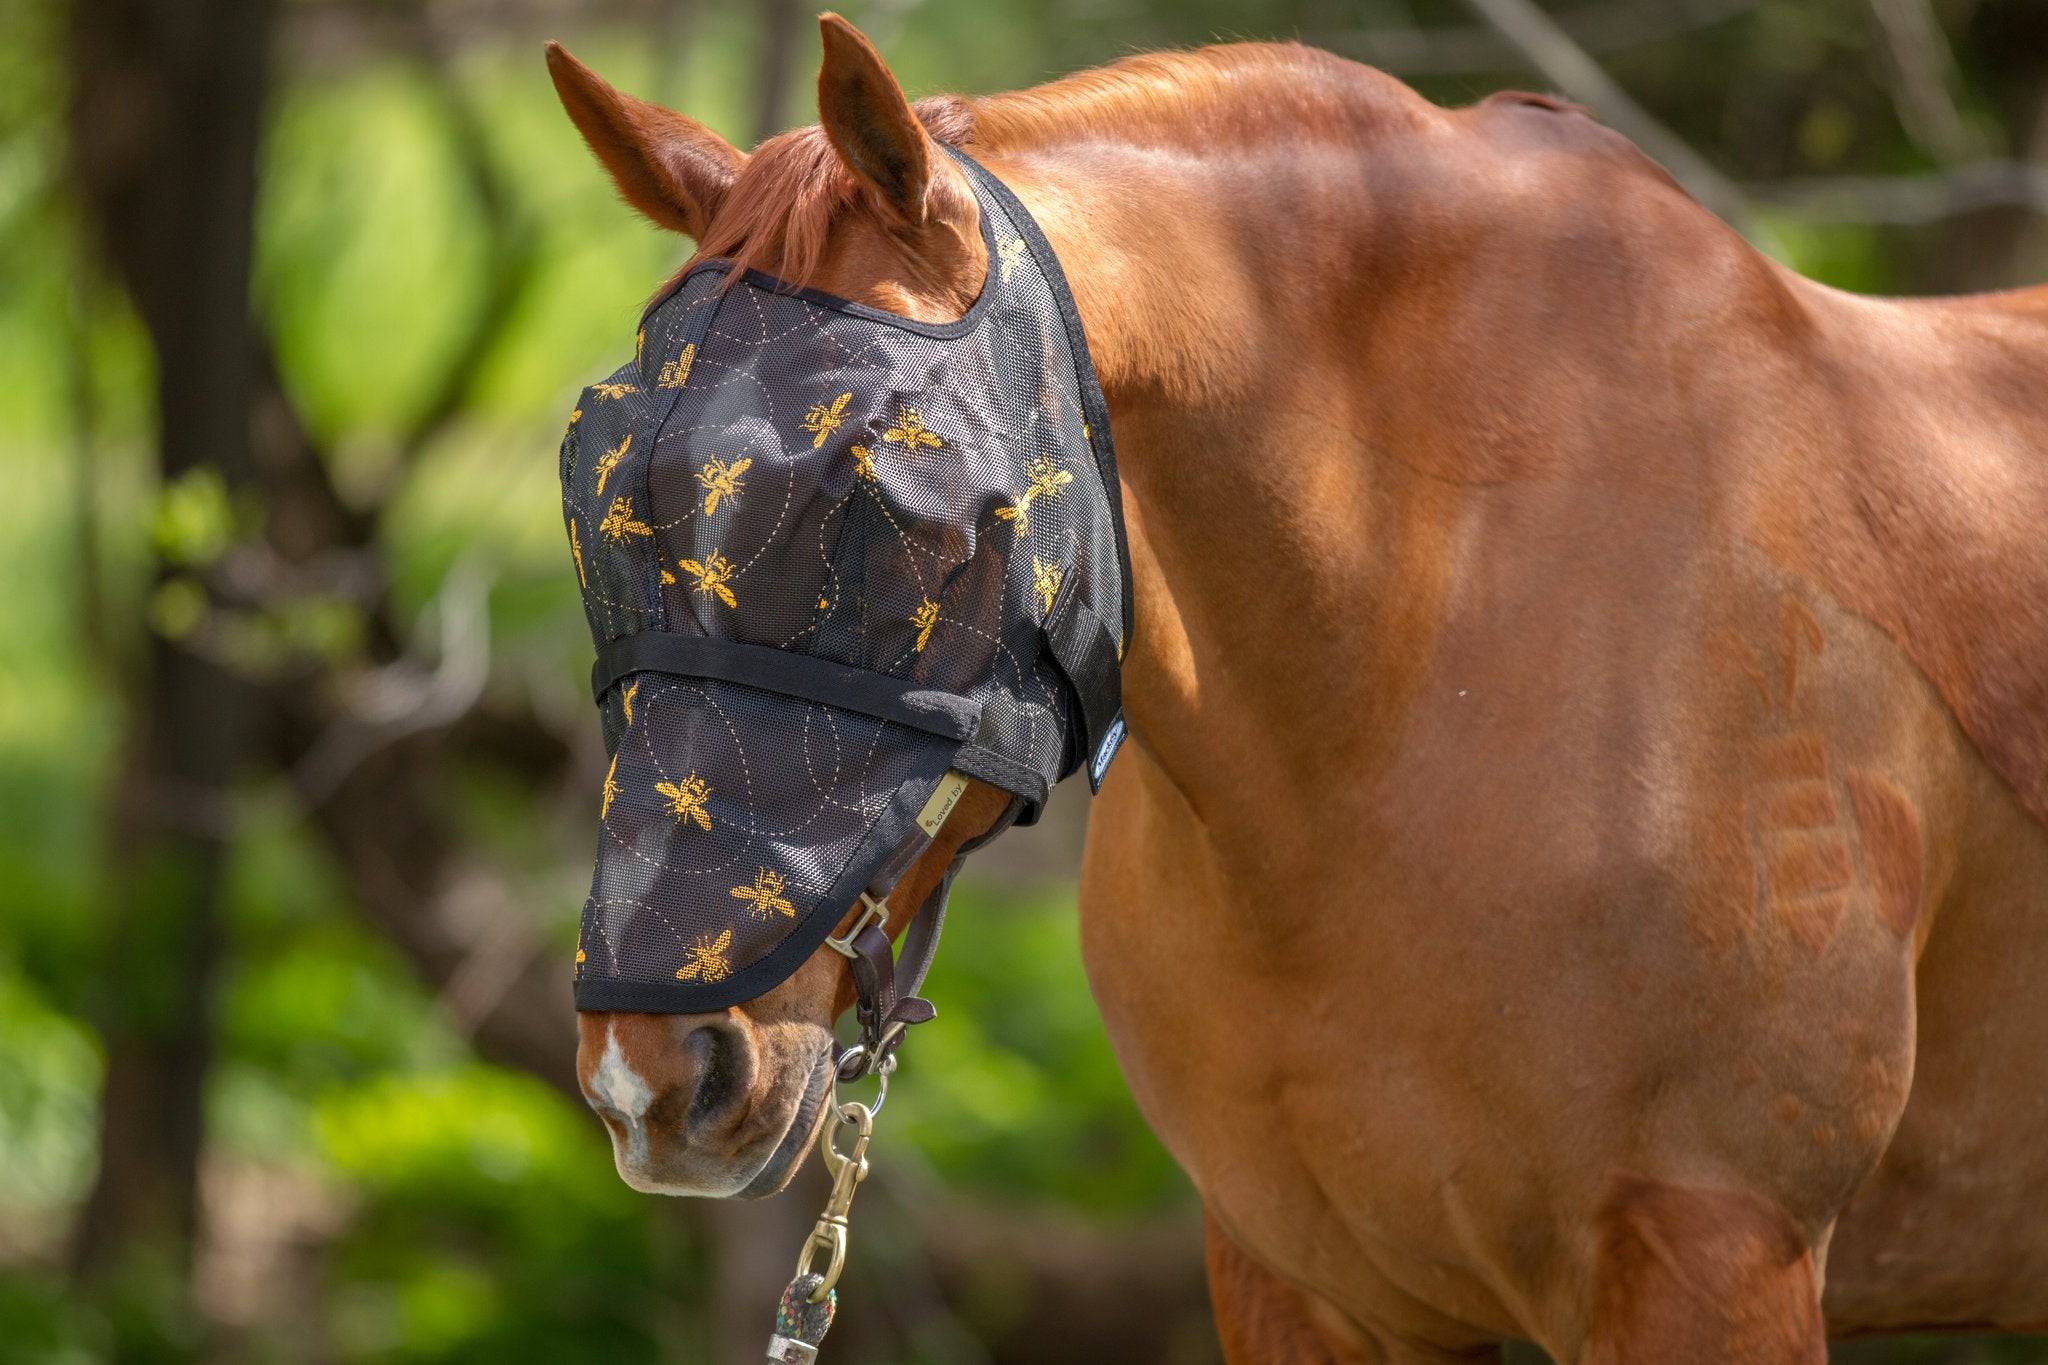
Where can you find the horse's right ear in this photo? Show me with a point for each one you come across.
(671, 168)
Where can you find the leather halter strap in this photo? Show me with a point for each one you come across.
(885, 983)
(886, 1002)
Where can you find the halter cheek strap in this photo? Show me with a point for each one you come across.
(885, 983)
(884, 1005)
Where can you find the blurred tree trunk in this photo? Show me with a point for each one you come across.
(166, 101)
(781, 26)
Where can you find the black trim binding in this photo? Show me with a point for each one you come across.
(896, 824)
(1018, 779)
(761, 279)
(1093, 405)
(803, 676)
(1086, 651)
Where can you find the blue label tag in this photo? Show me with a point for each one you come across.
(1112, 740)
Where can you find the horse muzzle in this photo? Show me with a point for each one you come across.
(703, 1105)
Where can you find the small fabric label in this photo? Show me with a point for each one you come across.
(1112, 740)
(941, 802)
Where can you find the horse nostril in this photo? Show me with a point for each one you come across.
(715, 1076)
(717, 1050)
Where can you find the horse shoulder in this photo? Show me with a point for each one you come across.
(1922, 502)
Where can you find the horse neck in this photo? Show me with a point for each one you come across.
(1227, 292)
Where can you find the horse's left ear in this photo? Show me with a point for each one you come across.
(869, 120)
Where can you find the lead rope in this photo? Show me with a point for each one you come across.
(886, 1007)
(812, 1298)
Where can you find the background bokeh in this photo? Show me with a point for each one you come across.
(297, 774)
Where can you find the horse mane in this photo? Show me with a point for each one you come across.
(792, 189)
(1228, 94)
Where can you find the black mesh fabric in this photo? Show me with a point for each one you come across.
(789, 474)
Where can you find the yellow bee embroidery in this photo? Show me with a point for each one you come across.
(764, 897)
(626, 697)
(676, 373)
(611, 788)
(824, 419)
(824, 604)
(1046, 480)
(910, 430)
(864, 462)
(612, 390)
(579, 955)
(712, 576)
(640, 344)
(708, 960)
(1010, 255)
(575, 417)
(686, 799)
(924, 618)
(609, 461)
(576, 553)
(618, 521)
(721, 480)
(1045, 580)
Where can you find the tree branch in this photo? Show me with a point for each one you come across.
(1925, 80)
(407, 696)
(1481, 48)
(775, 67)
(1910, 200)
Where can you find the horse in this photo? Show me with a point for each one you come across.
(1579, 869)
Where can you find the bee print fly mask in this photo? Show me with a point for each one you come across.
(833, 560)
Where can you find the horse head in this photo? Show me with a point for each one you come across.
(724, 1103)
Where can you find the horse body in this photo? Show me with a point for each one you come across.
(1578, 869)
(1538, 781)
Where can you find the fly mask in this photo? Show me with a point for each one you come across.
(835, 562)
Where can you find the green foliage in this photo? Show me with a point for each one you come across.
(49, 1088)
(493, 1226)
(193, 522)
(1845, 255)
(333, 1008)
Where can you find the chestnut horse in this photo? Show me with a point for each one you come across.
(1581, 869)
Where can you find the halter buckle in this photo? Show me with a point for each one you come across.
(873, 912)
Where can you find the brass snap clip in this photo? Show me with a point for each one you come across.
(848, 1169)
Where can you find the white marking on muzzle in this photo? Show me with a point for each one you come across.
(622, 1090)
(619, 1088)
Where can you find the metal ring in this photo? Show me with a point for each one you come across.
(880, 1072)
(831, 1238)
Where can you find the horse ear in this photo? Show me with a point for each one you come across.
(671, 168)
(866, 115)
